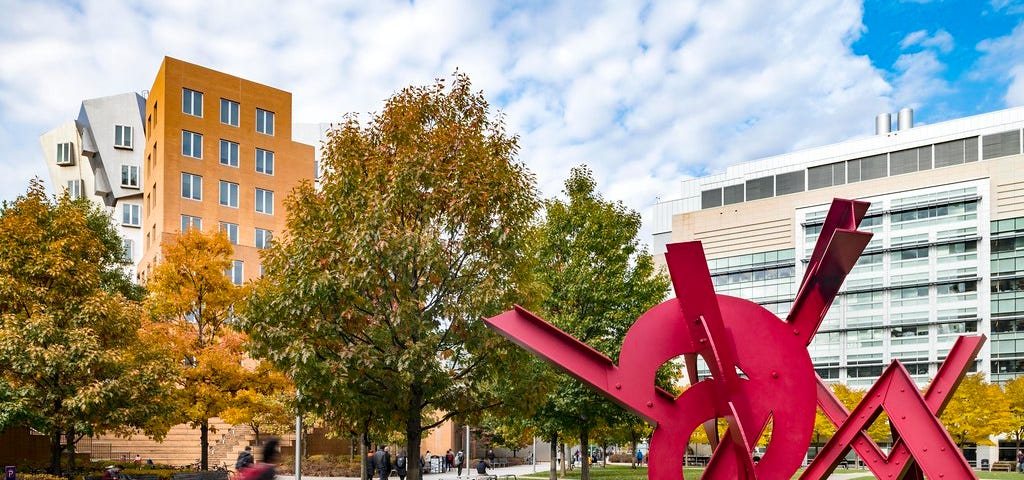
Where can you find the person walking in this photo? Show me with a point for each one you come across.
(459, 458)
(245, 459)
(265, 470)
(382, 462)
(1020, 461)
(449, 460)
(401, 465)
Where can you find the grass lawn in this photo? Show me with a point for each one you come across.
(622, 472)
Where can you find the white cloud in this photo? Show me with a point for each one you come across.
(1002, 61)
(644, 93)
(941, 40)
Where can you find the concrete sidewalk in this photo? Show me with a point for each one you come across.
(466, 474)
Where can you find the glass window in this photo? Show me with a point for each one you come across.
(228, 112)
(228, 194)
(228, 153)
(231, 230)
(191, 102)
(264, 121)
(75, 189)
(130, 176)
(191, 144)
(129, 249)
(191, 186)
(122, 136)
(188, 222)
(264, 161)
(264, 201)
(130, 215)
(64, 154)
(235, 272)
(262, 238)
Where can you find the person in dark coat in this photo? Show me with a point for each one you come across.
(481, 467)
(271, 456)
(382, 462)
(244, 459)
(402, 465)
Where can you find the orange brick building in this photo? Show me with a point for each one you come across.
(219, 155)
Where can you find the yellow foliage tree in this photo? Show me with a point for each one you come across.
(1014, 391)
(264, 404)
(977, 411)
(194, 299)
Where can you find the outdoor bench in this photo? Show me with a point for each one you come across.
(210, 475)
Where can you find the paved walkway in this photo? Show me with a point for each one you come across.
(517, 470)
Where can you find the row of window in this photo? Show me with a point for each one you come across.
(192, 189)
(192, 146)
(261, 237)
(192, 104)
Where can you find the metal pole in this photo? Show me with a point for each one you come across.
(298, 441)
(467, 456)
(534, 455)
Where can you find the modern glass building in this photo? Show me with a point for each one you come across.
(947, 258)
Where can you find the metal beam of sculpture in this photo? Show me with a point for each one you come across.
(734, 335)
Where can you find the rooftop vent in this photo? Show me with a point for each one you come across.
(883, 124)
(905, 120)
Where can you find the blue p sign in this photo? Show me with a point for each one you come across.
(9, 473)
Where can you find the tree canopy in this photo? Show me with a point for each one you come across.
(77, 357)
(596, 279)
(373, 300)
(977, 411)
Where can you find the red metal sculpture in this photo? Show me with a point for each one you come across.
(760, 370)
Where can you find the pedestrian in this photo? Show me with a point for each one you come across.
(459, 458)
(265, 469)
(481, 467)
(369, 466)
(449, 460)
(490, 455)
(639, 458)
(138, 460)
(401, 465)
(426, 465)
(1020, 461)
(382, 462)
(244, 459)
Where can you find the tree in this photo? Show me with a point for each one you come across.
(596, 279)
(879, 431)
(372, 301)
(194, 299)
(1014, 392)
(76, 358)
(977, 411)
(264, 404)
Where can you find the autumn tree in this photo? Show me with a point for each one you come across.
(977, 411)
(372, 302)
(264, 404)
(1014, 394)
(76, 358)
(596, 280)
(194, 300)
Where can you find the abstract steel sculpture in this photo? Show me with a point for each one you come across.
(760, 370)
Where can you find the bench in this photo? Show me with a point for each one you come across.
(210, 475)
(144, 476)
(1003, 466)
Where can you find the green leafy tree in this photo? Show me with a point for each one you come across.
(372, 301)
(597, 279)
(977, 411)
(194, 300)
(75, 359)
(264, 404)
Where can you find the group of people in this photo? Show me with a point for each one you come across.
(247, 467)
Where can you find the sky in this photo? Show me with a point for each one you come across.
(645, 93)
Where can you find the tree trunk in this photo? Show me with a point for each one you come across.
(553, 468)
(71, 453)
(414, 434)
(633, 441)
(604, 453)
(584, 452)
(55, 451)
(256, 431)
(364, 464)
(561, 446)
(204, 445)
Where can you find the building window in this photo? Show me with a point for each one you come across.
(231, 230)
(229, 194)
(130, 176)
(262, 238)
(130, 215)
(64, 154)
(264, 122)
(264, 161)
(75, 189)
(228, 153)
(264, 201)
(122, 136)
(191, 186)
(191, 102)
(228, 112)
(191, 144)
(235, 272)
(129, 249)
(189, 222)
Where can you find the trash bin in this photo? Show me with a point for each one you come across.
(983, 463)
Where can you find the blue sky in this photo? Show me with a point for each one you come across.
(646, 93)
